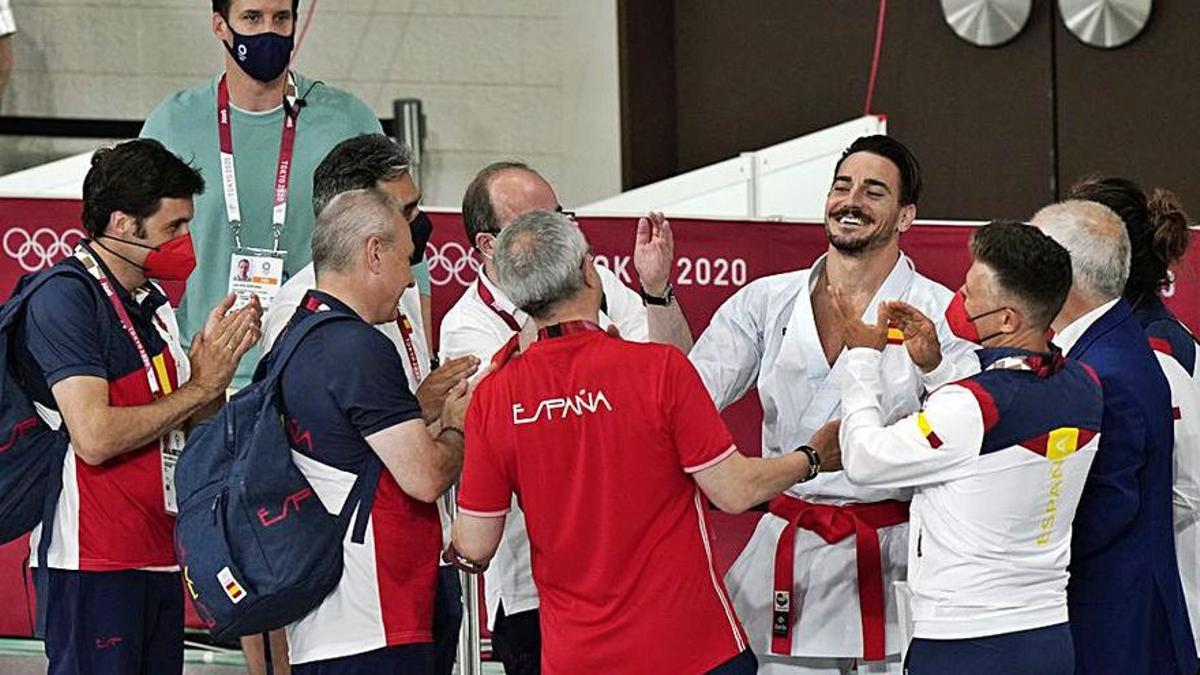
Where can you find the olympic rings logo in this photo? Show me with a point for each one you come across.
(451, 262)
(42, 248)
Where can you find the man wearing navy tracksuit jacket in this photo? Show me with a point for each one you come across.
(998, 460)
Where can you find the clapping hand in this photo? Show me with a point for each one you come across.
(920, 335)
(433, 391)
(855, 333)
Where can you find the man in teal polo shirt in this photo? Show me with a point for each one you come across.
(260, 96)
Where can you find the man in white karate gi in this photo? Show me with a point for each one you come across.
(814, 586)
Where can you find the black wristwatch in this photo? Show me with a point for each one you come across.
(667, 298)
(814, 462)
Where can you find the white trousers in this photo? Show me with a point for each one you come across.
(798, 665)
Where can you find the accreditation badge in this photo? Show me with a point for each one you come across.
(172, 448)
(255, 271)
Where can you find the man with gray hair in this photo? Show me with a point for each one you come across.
(612, 447)
(1124, 595)
(376, 161)
(484, 318)
(348, 404)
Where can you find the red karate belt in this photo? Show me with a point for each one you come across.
(833, 524)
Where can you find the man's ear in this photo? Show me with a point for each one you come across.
(908, 214)
(590, 276)
(374, 255)
(1014, 320)
(486, 243)
(220, 27)
(121, 224)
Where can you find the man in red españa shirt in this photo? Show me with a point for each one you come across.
(611, 448)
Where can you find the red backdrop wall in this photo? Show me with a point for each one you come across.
(714, 259)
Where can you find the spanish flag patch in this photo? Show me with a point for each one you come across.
(232, 588)
(924, 426)
(1059, 443)
(895, 336)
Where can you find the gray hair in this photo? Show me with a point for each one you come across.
(349, 220)
(539, 261)
(357, 164)
(1096, 238)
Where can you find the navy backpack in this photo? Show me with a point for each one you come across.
(31, 453)
(258, 548)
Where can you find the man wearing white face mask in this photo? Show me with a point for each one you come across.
(814, 585)
(256, 132)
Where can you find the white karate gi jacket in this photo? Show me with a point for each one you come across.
(765, 337)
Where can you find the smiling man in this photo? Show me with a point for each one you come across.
(823, 602)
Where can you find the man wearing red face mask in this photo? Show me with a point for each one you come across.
(998, 461)
(100, 351)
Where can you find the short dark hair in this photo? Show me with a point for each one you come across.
(478, 212)
(1157, 227)
(133, 177)
(222, 7)
(1029, 265)
(358, 163)
(895, 152)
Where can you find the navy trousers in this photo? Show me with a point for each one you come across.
(1044, 651)
(127, 622)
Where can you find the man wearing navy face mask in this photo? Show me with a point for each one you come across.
(100, 351)
(256, 133)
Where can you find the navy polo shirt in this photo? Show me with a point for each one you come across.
(70, 328)
(344, 383)
(112, 516)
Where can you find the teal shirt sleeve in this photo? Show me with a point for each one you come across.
(420, 273)
(362, 117)
(157, 126)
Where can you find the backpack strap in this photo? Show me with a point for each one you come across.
(12, 308)
(9, 314)
(285, 347)
(362, 494)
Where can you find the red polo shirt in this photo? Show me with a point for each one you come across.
(597, 437)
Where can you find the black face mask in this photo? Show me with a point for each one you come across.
(264, 56)
(420, 227)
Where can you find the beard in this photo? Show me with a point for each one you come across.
(869, 237)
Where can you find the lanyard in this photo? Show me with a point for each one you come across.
(406, 332)
(314, 304)
(1035, 363)
(485, 294)
(568, 328)
(283, 170)
(93, 268)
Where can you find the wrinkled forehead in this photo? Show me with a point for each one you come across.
(515, 192)
(864, 166)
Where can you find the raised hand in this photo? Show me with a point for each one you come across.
(654, 253)
(221, 309)
(920, 335)
(855, 333)
(214, 356)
